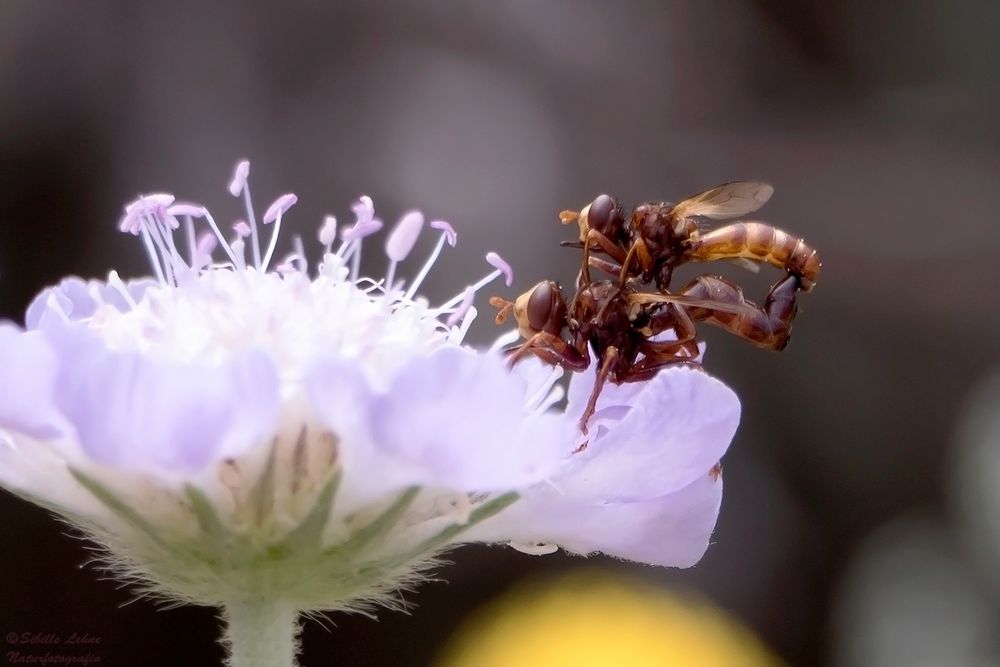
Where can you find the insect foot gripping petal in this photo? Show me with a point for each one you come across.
(645, 486)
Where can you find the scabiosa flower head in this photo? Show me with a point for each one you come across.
(243, 431)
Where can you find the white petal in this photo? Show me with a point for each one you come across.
(159, 416)
(27, 380)
(678, 426)
(672, 530)
(452, 419)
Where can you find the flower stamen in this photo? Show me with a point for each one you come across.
(154, 259)
(505, 339)
(502, 269)
(222, 239)
(274, 214)
(447, 235)
(191, 240)
(240, 185)
(172, 258)
(401, 242)
(156, 234)
(328, 233)
(238, 247)
(202, 255)
(365, 224)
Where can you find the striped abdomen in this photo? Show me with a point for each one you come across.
(759, 242)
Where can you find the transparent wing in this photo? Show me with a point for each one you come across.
(681, 300)
(729, 200)
(743, 263)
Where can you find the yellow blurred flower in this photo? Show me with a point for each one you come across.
(593, 619)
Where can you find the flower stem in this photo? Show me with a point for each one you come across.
(261, 633)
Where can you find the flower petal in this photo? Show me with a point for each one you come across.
(671, 531)
(70, 298)
(27, 380)
(677, 426)
(612, 396)
(137, 413)
(453, 419)
(76, 299)
(38, 473)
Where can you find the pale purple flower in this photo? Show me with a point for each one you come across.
(332, 418)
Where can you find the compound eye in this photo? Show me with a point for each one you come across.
(603, 215)
(539, 308)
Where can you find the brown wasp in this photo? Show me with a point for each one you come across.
(625, 325)
(659, 236)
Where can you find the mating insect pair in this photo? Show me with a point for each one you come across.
(635, 332)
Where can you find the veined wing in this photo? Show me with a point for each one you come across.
(729, 200)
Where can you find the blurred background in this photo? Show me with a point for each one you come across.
(861, 522)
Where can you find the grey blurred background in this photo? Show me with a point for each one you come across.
(875, 122)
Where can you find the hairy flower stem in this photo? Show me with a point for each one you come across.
(261, 632)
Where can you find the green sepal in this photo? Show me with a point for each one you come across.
(261, 497)
(381, 526)
(123, 511)
(447, 534)
(223, 543)
(308, 534)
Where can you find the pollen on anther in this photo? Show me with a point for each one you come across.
(497, 262)
(155, 204)
(364, 209)
(186, 208)
(449, 232)
(207, 243)
(242, 229)
(239, 180)
(361, 230)
(328, 232)
(155, 199)
(280, 205)
(404, 236)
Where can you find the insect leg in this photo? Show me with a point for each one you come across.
(605, 244)
(640, 251)
(552, 350)
(659, 354)
(768, 327)
(604, 265)
(673, 317)
(607, 362)
(601, 264)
